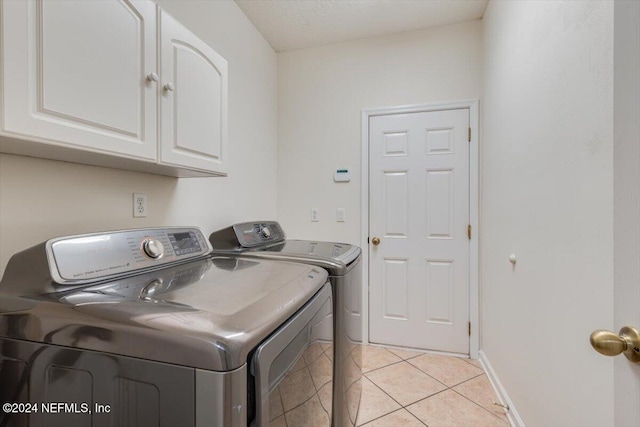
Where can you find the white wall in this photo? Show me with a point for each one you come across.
(40, 199)
(321, 93)
(547, 196)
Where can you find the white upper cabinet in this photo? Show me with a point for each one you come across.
(83, 80)
(193, 100)
(75, 74)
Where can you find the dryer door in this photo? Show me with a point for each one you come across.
(293, 369)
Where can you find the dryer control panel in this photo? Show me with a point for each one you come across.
(90, 258)
(247, 235)
(254, 234)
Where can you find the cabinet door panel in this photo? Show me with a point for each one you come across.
(194, 114)
(78, 51)
(198, 102)
(75, 74)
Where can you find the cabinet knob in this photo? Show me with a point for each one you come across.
(169, 87)
(153, 77)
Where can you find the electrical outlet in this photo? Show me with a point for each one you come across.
(340, 215)
(315, 214)
(139, 205)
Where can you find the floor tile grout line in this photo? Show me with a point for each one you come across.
(477, 404)
(403, 358)
(389, 413)
(392, 354)
(308, 399)
(432, 353)
(427, 374)
(463, 381)
(382, 367)
(422, 422)
(469, 361)
(428, 397)
(424, 398)
(419, 352)
(422, 352)
(465, 397)
(382, 390)
(409, 404)
(467, 380)
(407, 360)
(412, 414)
(410, 364)
(284, 417)
(447, 387)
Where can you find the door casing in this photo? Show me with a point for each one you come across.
(474, 186)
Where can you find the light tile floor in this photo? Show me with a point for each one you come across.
(409, 388)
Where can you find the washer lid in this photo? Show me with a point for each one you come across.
(266, 240)
(207, 314)
(342, 252)
(336, 258)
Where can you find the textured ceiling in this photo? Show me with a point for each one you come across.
(298, 24)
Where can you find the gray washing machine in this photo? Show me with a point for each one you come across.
(266, 240)
(144, 328)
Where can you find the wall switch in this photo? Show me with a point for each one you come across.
(342, 175)
(340, 215)
(315, 214)
(139, 205)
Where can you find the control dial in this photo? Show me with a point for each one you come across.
(153, 248)
(265, 232)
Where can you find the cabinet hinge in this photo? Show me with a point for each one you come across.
(469, 231)
(469, 328)
(469, 133)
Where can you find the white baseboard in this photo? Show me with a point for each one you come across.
(503, 397)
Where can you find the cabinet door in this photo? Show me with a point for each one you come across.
(194, 100)
(75, 74)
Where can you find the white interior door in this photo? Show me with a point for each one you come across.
(419, 211)
(626, 202)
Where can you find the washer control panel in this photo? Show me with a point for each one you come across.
(93, 257)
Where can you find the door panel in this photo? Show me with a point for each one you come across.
(439, 199)
(419, 207)
(440, 304)
(395, 203)
(395, 288)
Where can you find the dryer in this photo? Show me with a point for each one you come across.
(266, 240)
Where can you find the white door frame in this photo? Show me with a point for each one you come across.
(474, 166)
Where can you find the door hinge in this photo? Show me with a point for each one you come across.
(469, 231)
(367, 240)
(469, 328)
(469, 133)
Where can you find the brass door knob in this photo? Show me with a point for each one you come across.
(375, 241)
(610, 344)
